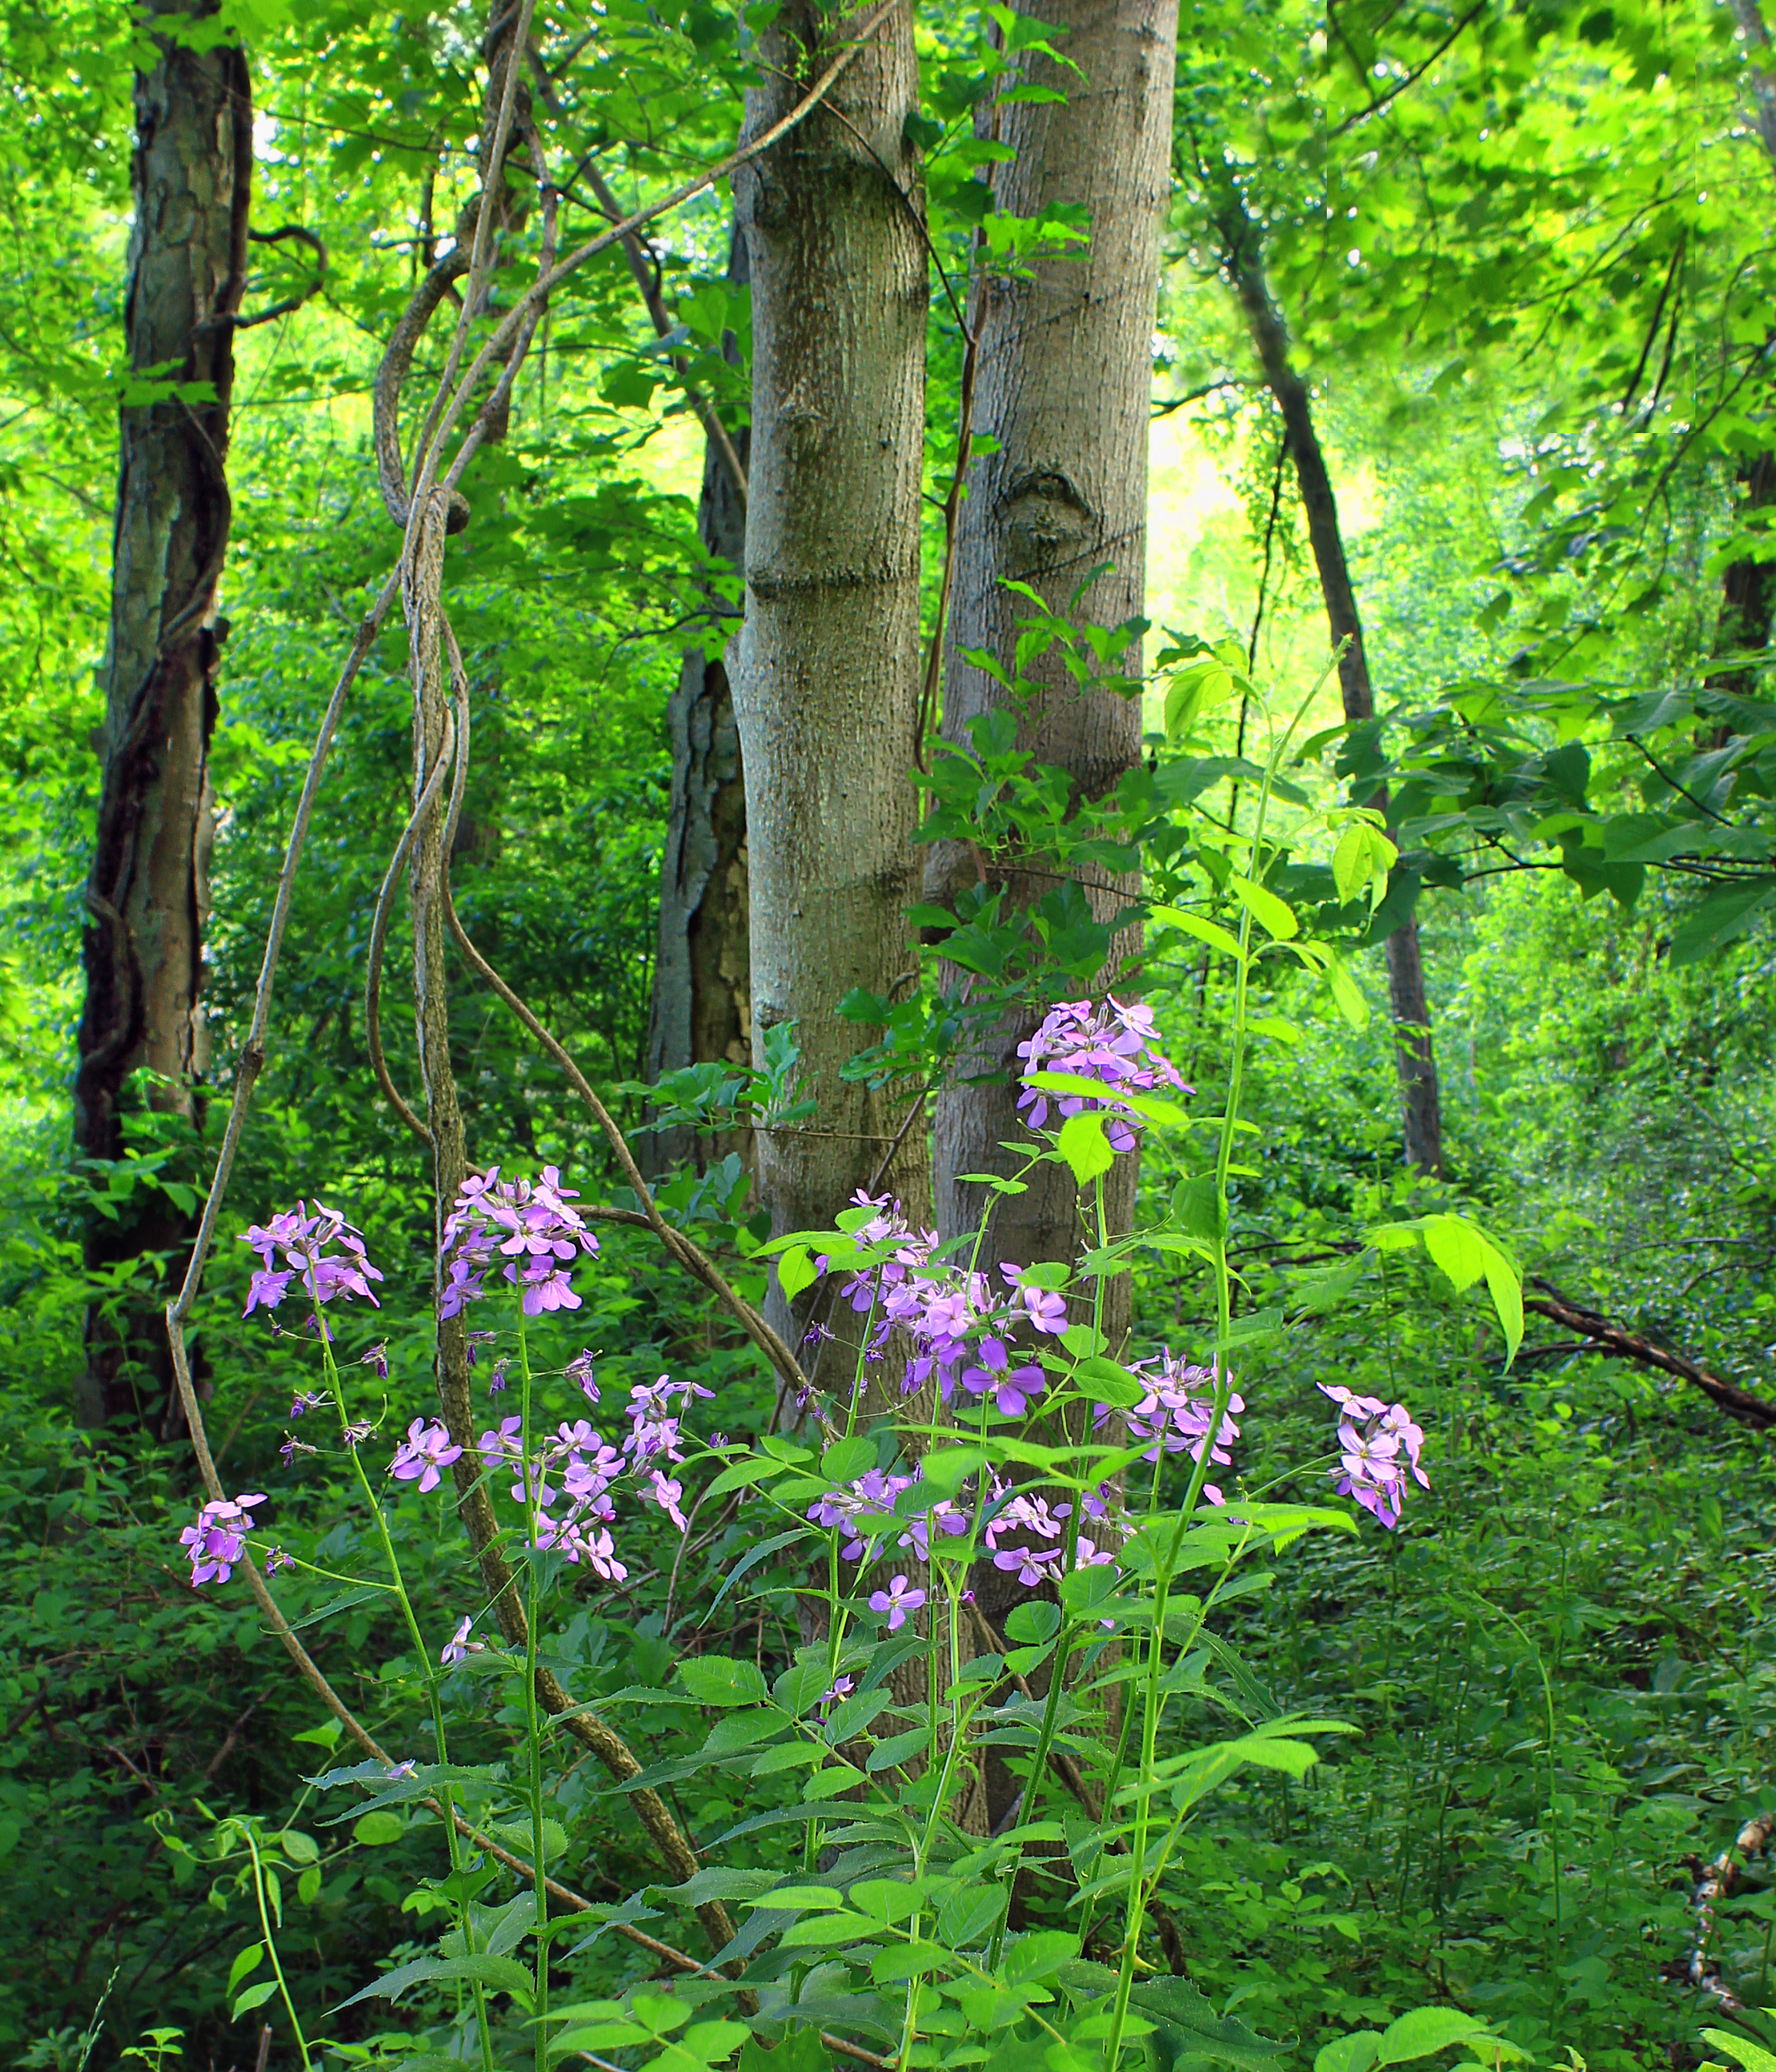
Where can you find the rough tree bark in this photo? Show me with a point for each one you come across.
(1243, 257)
(703, 1008)
(1065, 385)
(147, 894)
(826, 673)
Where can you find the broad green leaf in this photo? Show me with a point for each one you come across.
(801, 1895)
(505, 1975)
(376, 1830)
(1211, 932)
(1428, 2030)
(795, 1271)
(1752, 2055)
(1354, 2052)
(847, 1459)
(1345, 996)
(1085, 1147)
(1273, 915)
(719, 1679)
(820, 1931)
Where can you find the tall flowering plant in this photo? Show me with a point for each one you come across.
(1009, 1565)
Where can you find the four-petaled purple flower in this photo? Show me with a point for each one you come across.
(218, 1540)
(425, 1450)
(1176, 1420)
(897, 1600)
(580, 1369)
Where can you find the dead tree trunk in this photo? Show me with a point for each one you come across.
(1065, 385)
(147, 894)
(703, 1010)
(826, 673)
(1243, 257)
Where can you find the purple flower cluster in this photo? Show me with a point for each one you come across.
(580, 1465)
(1021, 1511)
(1110, 1043)
(532, 1225)
(956, 1324)
(218, 1540)
(1378, 1444)
(864, 1510)
(1176, 1421)
(320, 1250)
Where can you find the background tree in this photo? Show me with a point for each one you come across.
(148, 892)
(1058, 502)
(826, 677)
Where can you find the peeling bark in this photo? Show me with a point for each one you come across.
(1420, 1109)
(147, 894)
(703, 1008)
(825, 674)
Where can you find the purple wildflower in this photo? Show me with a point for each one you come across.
(897, 1600)
(1176, 1420)
(476, 1340)
(277, 1559)
(1111, 1043)
(666, 1493)
(841, 1687)
(310, 1400)
(376, 1358)
(531, 1225)
(218, 1540)
(425, 1450)
(460, 1648)
(580, 1369)
(321, 1252)
(1373, 1438)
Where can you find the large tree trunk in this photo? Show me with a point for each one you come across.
(1420, 1110)
(703, 1008)
(826, 673)
(147, 896)
(1065, 385)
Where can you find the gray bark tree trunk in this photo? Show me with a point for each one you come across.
(147, 894)
(826, 673)
(703, 1008)
(1420, 1108)
(1065, 385)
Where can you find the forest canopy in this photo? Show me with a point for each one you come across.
(887, 972)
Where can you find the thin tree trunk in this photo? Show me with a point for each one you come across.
(1065, 385)
(703, 1008)
(1761, 83)
(1420, 1110)
(825, 673)
(147, 895)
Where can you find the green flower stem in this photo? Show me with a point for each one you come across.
(271, 1943)
(447, 1805)
(533, 1725)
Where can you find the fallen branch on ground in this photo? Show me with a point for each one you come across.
(1628, 1345)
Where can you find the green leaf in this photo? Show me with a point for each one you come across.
(1752, 2055)
(299, 1848)
(789, 1897)
(1038, 1956)
(897, 1749)
(1428, 2030)
(247, 1962)
(848, 1459)
(505, 1975)
(1272, 914)
(254, 1996)
(1720, 917)
(820, 1931)
(1211, 932)
(376, 1830)
(1346, 998)
(1085, 1147)
(1354, 2052)
(719, 1680)
(795, 1271)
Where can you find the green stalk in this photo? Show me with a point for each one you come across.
(1136, 1907)
(532, 1728)
(447, 1808)
(271, 1945)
